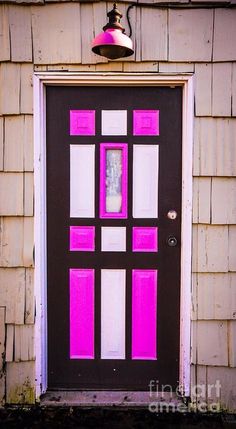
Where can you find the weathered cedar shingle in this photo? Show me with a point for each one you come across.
(221, 89)
(20, 387)
(5, 52)
(56, 34)
(11, 194)
(20, 33)
(153, 43)
(224, 46)
(207, 241)
(216, 296)
(214, 147)
(223, 200)
(211, 341)
(201, 200)
(203, 89)
(189, 41)
(12, 293)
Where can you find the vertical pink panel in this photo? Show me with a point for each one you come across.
(81, 314)
(103, 180)
(144, 314)
(146, 122)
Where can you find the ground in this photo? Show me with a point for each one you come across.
(75, 417)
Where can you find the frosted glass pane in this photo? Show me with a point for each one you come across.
(145, 181)
(113, 180)
(113, 314)
(144, 314)
(82, 158)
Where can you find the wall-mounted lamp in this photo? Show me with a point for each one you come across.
(112, 43)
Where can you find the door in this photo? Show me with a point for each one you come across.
(113, 236)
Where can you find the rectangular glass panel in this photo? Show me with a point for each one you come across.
(82, 162)
(113, 314)
(113, 180)
(144, 314)
(145, 181)
(81, 314)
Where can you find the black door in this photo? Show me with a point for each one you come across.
(113, 236)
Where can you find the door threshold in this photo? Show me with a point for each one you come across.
(123, 399)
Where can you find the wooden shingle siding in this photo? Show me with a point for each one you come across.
(26, 89)
(10, 343)
(20, 33)
(221, 89)
(188, 41)
(87, 33)
(1, 143)
(206, 250)
(224, 35)
(10, 94)
(29, 296)
(212, 344)
(153, 43)
(232, 247)
(16, 247)
(11, 203)
(56, 34)
(202, 200)
(224, 200)
(12, 294)
(28, 194)
(203, 89)
(2, 352)
(28, 249)
(232, 343)
(165, 67)
(216, 298)
(227, 379)
(234, 89)
(145, 66)
(5, 51)
(214, 147)
(20, 382)
(18, 143)
(24, 343)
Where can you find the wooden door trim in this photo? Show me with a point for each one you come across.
(41, 80)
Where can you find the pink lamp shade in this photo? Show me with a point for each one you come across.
(112, 44)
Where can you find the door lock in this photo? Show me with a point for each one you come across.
(172, 241)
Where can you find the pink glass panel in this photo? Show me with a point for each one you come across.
(144, 314)
(82, 122)
(146, 122)
(81, 314)
(145, 239)
(82, 238)
(113, 180)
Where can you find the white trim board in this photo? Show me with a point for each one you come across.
(42, 79)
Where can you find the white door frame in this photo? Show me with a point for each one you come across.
(42, 79)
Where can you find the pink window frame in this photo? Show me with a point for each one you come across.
(124, 181)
